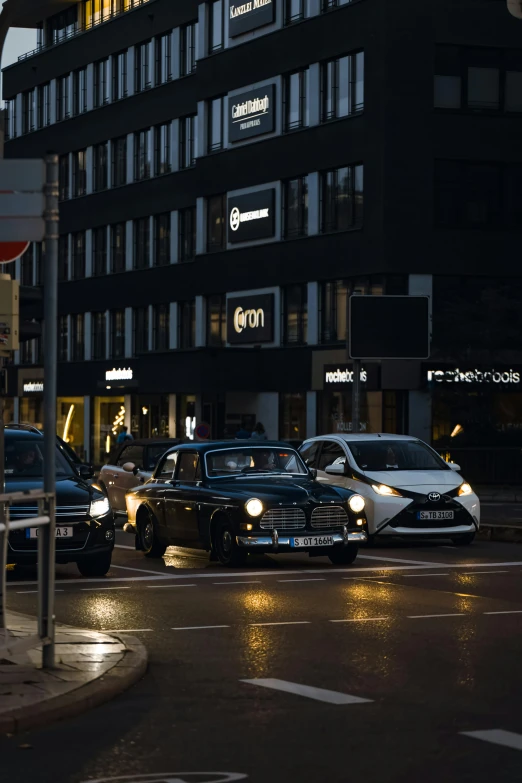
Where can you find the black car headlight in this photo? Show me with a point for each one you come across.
(99, 508)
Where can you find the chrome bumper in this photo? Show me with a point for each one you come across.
(275, 540)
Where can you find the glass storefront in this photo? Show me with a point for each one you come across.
(31, 411)
(335, 411)
(8, 410)
(108, 418)
(150, 416)
(70, 423)
(186, 415)
(292, 418)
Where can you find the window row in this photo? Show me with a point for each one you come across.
(80, 17)
(478, 79)
(108, 80)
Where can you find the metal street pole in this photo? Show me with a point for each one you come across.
(46, 542)
(356, 395)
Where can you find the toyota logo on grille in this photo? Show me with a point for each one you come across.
(434, 497)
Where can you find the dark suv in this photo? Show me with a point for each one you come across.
(84, 519)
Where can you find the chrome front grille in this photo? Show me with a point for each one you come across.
(283, 519)
(329, 517)
(70, 512)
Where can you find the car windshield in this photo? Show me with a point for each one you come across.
(251, 460)
(25, 458)
(379, 455)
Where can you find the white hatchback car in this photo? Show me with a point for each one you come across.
(409, 489)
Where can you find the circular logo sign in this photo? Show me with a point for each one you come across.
(434, 497)
(202, 431)
(235, 219)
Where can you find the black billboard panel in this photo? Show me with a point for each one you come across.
(389, 327)
(250, 319)
(251, 113)
(247, 16)
(251, 216)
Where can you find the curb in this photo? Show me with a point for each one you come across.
(111, 684)
(509, 534)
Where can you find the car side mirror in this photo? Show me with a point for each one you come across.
(454, 466)
(129, 467)
(335, 470)
(313, 473)
(85, 471)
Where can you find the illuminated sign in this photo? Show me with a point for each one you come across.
(119, 375)
(473, 376)
(250, 15)
(32, 387)
(251, 216)
(251, 113)
(250, 319)
(343, 376)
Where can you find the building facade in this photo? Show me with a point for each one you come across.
(231, 173)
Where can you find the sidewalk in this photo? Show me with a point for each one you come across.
(91, 668)
(499, 494)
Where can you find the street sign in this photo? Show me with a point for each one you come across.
(202, 431)
(10, 251)
(21, 202)
(389, 327)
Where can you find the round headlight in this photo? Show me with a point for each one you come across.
(254, 507)
(356, 503)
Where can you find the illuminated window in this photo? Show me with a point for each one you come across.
(162, 239)
(341, 198)
(216, 223)
(342, 86)
(217, 320)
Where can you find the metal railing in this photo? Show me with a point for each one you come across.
(10, 644)
(79, 28)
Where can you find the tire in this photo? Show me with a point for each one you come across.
(344, 555)
(226, 550)
(464, 540)
(95, 566)
(148, 540)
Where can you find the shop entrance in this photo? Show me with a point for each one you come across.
(109, 417)
(381, 411)
(150, 416)
(70, 422)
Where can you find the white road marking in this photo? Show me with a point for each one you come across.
(360, 620)
(221, 584)
(126, 630)
(266, 572)
(476, 573)
(497, 737)
(199, 627)
(423, 616)
(138, 570)
(318, 694)
(398, 560)
(161, 587)
(510, 611)
(302, 580)
(412, 576)
(122, 546)
(94, 589)
(27, 592)
(382, 576)
(290, 622)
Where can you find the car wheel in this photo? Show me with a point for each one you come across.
(149, 543)
(227, 551)
(464, 540)
(95, 566)
(344, 555)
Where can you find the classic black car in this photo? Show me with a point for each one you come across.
(234, 497)
(84, 520)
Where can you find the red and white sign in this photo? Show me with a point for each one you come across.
(10, 251)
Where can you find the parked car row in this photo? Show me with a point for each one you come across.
(235, 497)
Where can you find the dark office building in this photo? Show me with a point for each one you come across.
(231, 172)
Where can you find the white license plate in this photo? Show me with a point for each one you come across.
(61, 532)
(427, 515)
(311, 541)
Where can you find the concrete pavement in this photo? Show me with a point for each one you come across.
(91, 668)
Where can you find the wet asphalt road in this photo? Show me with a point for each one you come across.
(418, 643)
